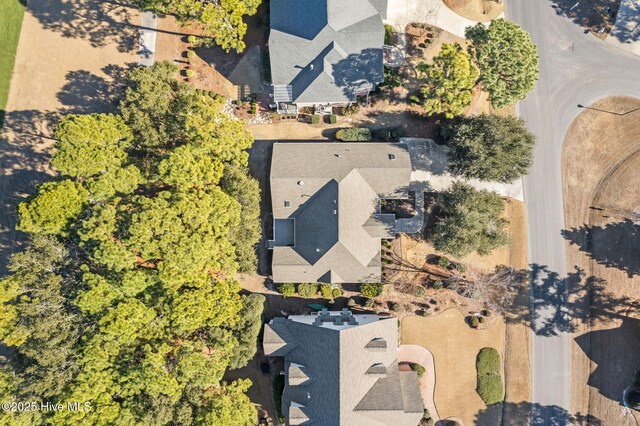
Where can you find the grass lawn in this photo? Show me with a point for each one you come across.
(11, 15)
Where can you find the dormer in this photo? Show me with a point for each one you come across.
(297, 375)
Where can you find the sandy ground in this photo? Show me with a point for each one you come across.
(601, 197)
(454, 346)
(67, 54)
(476, 10)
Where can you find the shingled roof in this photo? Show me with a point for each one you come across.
(328, 194)
(324, 51)
(333, 377)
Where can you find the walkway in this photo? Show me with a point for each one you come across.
(148, 35)
(430, 168)
(626, 32)
(434, 12)
(418, 355)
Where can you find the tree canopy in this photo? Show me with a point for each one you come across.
(507, 58)
(490, 147)
(448, 81)
(132, 264)
(220, 21)
(469, 220)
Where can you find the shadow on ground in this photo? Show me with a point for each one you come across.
(85, 92)
(589, 14)
(615, 245)
(615, 368)
(561, 304)
(538, 415)
(102, 23)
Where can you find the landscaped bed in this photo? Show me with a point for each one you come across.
(489, 385)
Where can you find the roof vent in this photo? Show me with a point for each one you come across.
(338, 321)
(317, 321)
(301, 183)
(392, 156)
(311, 67)
(335, 212)
(353, 320)
(338, 155)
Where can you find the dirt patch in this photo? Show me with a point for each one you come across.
(476, 10)
(597, 16)
(600, 159)
(454, 346)
(68, 55)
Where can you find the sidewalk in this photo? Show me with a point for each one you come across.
(626, 32)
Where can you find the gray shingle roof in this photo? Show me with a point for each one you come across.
(341, 389)
(332, 190)
(326, 49)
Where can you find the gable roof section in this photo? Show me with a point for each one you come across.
(334, 380)
(326, 50)
(332, 191)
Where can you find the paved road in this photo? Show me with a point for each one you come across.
(575, 68)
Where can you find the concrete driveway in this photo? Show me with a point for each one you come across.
(430, 167)
(434, 12)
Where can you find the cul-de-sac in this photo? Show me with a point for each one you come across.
(320, 212)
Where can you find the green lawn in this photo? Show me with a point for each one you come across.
(11, 13)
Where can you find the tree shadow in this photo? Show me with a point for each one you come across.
(614, 245)
(615, 352)
(25, 141)
(560, 304)
(86, 93)
(102, 23)
(357, 71)
(627, 28)
(517, 414)
(593, 15)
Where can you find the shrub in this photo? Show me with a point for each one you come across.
(351, 302)
(419, 291)
(437, 284)
(474, 322)
(486, 313)
(369, 303)
(418, 369)
(189, 73)
(354, 134)
(396, 307)
(333, 119)
(287, 289)
(191, 54)
(452, 285)
(351, 109)
(425, 313)
(444, 262)
(326, 291)
(308, 291)
(481, 319)
(193, 40)
(371, 289)
(336, 292)
(460, 267)
(489, 385)
(389, 35)
(315, 119)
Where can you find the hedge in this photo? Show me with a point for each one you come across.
(371, 289)
(287, 289)
(278, 390)
(489, 385)
(308, 291)
(326, 291)
(354, 134)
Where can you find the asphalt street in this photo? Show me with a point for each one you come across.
(575, 68)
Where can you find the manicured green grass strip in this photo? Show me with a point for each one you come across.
(489, 386)
(11, 13)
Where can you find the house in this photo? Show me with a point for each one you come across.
(342, 369)
(324, 53)
(327, 224)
